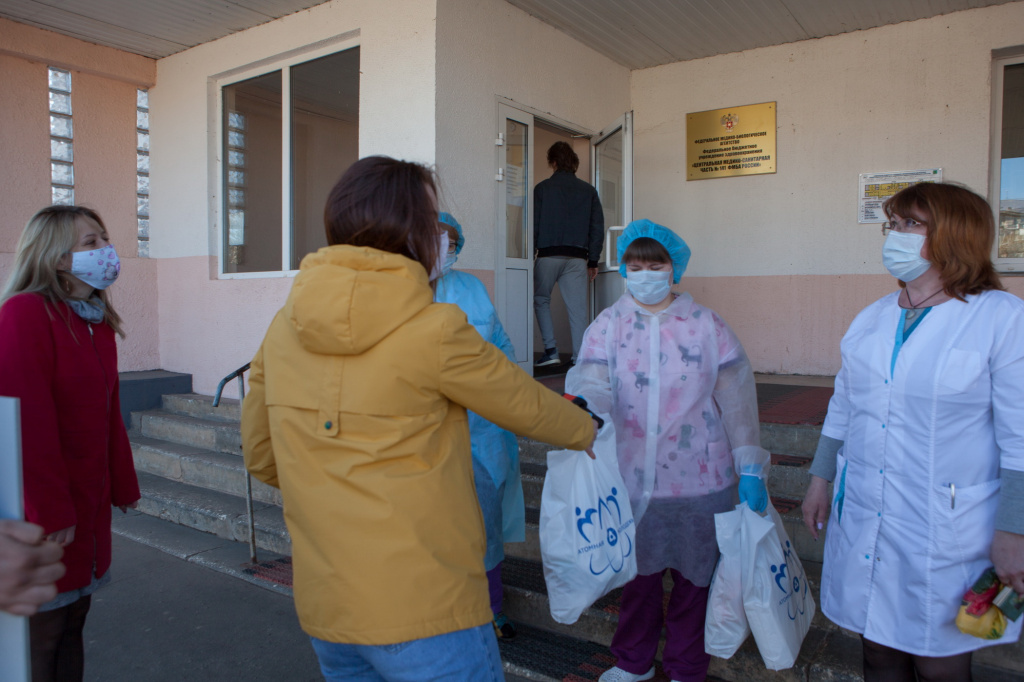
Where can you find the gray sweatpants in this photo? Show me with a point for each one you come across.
(571, 276)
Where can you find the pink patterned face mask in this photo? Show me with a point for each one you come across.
(99, 268)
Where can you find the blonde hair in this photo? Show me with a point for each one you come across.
(50, 235)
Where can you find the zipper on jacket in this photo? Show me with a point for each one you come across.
(106, 379)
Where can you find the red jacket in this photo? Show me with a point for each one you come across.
(76, 459)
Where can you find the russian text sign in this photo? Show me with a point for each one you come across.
(875, 188)
(725, 142)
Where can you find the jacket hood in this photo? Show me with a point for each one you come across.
(347, 298)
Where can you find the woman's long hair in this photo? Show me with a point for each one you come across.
(50, 235)
(386, 204)
(960, 231)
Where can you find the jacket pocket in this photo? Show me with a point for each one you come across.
(965, 516)
(961, 371)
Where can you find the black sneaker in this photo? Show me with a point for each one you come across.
(550, 357)
(503, 627)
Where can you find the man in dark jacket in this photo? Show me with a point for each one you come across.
(568, 233)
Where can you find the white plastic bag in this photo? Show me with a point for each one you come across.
(726, 627)
(587, 534)
(776, 597)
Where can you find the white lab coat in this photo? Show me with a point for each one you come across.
(899, 553)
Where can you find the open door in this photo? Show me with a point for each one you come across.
(612, 164)
(514, 269)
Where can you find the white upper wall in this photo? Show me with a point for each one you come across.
(488, 49)
(396, 103)
(913, 95)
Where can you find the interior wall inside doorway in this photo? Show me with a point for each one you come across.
(545, 135)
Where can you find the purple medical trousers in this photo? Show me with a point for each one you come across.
(640, 618)
(495, 588)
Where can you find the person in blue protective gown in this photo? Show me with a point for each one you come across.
(675, 381)
(495, 451)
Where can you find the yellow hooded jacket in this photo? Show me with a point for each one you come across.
(355, 410)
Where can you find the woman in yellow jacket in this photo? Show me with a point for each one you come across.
(357, 411)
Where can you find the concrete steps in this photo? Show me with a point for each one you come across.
(196, 467)
(191, 473)
(213, 512)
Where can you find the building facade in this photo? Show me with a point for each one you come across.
(247, 133)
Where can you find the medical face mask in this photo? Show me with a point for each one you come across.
(98, 268)
(901, 255)
(442, 255)
(449, 263)
(649, 286)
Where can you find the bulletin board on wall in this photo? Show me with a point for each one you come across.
(723, 143)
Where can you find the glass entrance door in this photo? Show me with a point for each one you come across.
(612, 153)
(514, 274)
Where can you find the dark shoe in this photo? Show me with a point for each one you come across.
(550, 357)
(503, 627)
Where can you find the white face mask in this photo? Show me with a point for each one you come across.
(98, 268)
(649, 286)
(901, 255)
(442, 254)
(449, 262)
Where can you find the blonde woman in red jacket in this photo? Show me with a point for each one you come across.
(59, 356)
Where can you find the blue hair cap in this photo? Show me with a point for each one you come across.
(677, 249)
(449, 219)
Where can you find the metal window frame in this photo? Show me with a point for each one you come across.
(218, 188)
(1000, 60)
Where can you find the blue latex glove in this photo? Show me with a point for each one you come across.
(753, 492)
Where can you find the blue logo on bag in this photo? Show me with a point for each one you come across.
(604, 524)
(794, 589)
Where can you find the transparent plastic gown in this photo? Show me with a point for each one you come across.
(680, 390)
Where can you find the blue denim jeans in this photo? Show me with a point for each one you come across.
(470, 655)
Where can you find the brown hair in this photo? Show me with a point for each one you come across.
(50, 235)
(960, 231)
(562, 157)
(646, 249)
(385, 204)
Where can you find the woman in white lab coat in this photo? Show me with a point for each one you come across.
(924, 440)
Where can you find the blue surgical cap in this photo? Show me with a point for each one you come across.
(677, 249)
(449, 219)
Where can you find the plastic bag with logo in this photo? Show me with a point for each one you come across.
(587, 534)
(776, 597)
(725, 626)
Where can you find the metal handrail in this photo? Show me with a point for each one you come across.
(240, 375)
(223, 382)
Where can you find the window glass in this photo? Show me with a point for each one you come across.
(1011, 176)
(252, 123)
(325, 141)
(62, 132)
(517, 140)
(610, 186)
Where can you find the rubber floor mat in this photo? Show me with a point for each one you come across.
(277, 571)
(786, 404)
(560, 657)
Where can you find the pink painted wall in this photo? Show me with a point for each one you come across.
(210, 327)
(233, 315)
(792, 324)
(24, 148)
(104, 82)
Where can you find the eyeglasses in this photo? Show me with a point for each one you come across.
(905, 225)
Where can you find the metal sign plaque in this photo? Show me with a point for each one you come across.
(722, 143)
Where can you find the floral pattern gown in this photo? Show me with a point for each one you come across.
(680, 392)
